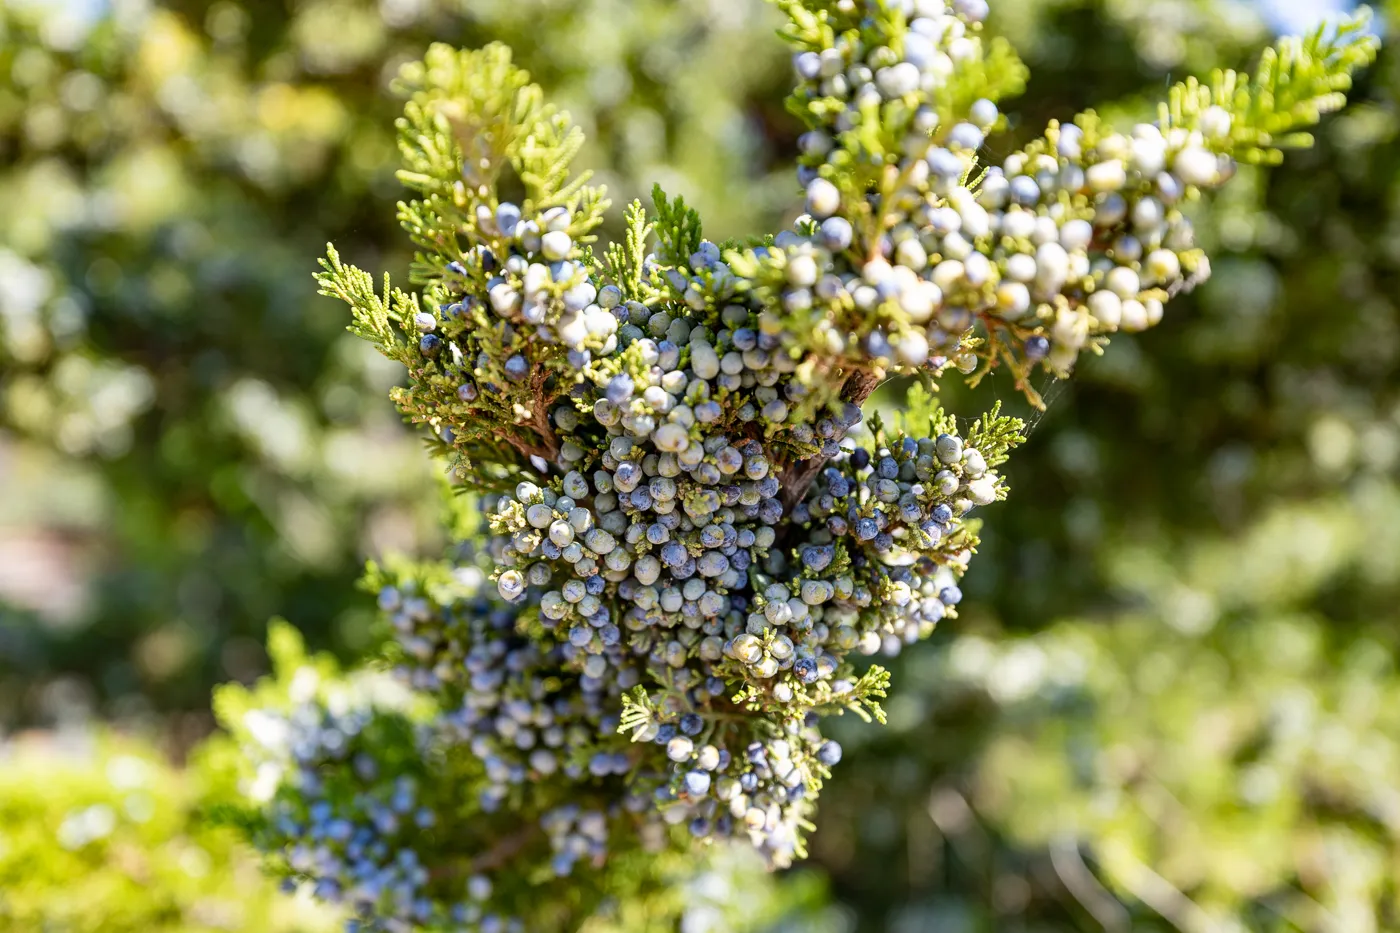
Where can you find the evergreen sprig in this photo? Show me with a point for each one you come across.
(690, 540)
(677, 228)
(627, 261)
(1295, 83)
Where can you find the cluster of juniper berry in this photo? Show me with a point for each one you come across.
(691, 536)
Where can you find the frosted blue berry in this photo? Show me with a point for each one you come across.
(974, 11)
(817, 557)
(808, 65)
(898, 80)
(836, 234)
(575, 485)
(983, 113)
(966, 136)
(945, 164)
(609, 297)
(1024, 190)
(823, 199)
(556, 245)
(697, 783)
(507, 216)
(511, 583)
(620, 388)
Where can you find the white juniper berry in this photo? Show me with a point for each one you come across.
(689, 542)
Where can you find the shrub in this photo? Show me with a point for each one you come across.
(99, 834)
(690, 534)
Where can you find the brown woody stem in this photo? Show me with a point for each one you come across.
(493, 858)
(798, 477)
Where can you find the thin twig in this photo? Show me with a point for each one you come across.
(1322, 919)
(1164, 897)
(1079, 881)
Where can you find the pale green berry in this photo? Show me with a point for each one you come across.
(1215, 122)
(1162, 266)
(1107, 309)
(1196, 166)
(556, 245)
(1123, 282)
(1134, 316)
(1106, 176)
(823, 199)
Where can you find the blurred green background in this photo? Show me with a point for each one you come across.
(1172, 702)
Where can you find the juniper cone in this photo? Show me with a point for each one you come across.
(691, 540)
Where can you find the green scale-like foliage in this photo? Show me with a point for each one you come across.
(691, 534)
